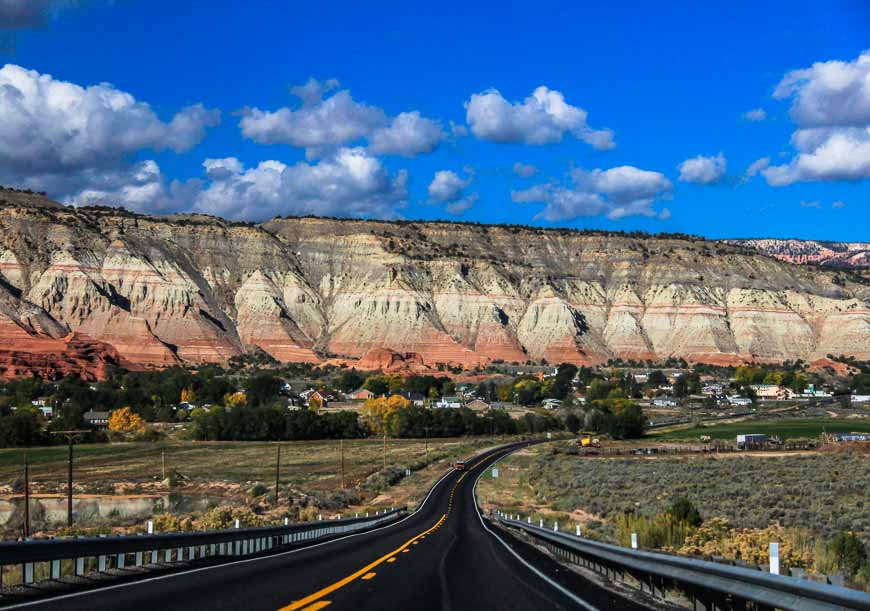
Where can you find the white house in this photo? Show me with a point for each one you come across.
(860, 398)
(449, 402)
(664, 402)
(734, 400)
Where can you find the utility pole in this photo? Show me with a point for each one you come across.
(70, 438)
(26, 498)
(277, 471)
(341, 454)
(385, 451)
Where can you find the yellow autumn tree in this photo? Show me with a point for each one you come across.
(125, 420)
(235, 399)
(188, 395)
(315, 403)
(382, 414)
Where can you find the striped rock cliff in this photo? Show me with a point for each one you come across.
(159, 291)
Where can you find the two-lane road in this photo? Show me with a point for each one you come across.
(441, 557)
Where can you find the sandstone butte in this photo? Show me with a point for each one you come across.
(85, 288)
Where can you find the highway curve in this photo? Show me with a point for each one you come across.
(440, 558)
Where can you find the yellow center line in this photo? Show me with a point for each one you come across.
(312, 602)
(304, 602)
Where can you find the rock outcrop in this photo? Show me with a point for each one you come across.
(820, 252)
(156, 291)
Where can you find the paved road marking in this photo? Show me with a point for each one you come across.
(305, 602)
(365, 573)
(318, 605)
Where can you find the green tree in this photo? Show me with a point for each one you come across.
(848, 551)
(683, 510)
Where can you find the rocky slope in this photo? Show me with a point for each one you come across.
(832, 254)
(160, 291)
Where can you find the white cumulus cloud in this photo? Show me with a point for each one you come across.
(542, 118)
(408, 135)
(322, 123)
(703, 170)
(448, 188)
(350, 183)
(755, 115)
(831, 108)
(617, 193)
(524, 170)
(58, 135)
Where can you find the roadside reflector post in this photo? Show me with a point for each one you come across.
(530, 519)
(578, 530)
(633, 540)
(319, 517)
(237, 523)
(774, 558)
(555, 527)
(286, 521)
(150, 527)
(542, 523)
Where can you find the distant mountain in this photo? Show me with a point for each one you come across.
(159, 291)
(832, 254)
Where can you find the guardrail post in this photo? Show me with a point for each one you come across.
(138, 561)
(55, 569)
(154, 553)
(119, 560)
(167, 555)
(101, 564)
(80, 566)
(774, 558)
(28, 572)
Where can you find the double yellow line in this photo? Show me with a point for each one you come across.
(299, 604)
(313, 601)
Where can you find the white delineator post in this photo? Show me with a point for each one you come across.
(774, 558)
(633, 540)
(542, 522)
(578, 530)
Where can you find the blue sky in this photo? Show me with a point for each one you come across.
(672, 83)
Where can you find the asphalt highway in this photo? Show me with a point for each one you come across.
(443, 557)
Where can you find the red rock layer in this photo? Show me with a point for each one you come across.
(22, 354)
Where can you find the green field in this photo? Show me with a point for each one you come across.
(785, 428)
(307, 464)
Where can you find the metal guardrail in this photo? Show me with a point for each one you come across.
(116, 551)
(725, 581)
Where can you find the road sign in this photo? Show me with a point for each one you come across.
(495, 471)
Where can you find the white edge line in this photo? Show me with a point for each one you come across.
(184, 573)
(558, 586)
